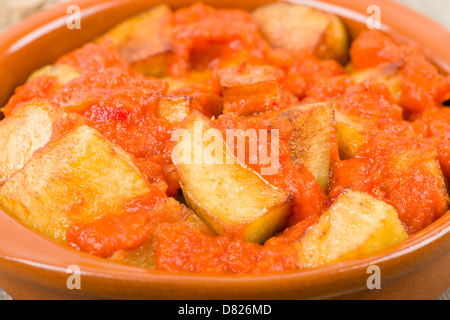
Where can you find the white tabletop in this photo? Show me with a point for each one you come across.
(439, 10)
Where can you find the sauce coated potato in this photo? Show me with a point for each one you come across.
(225, 193)
(72, 179)
(313, 142)
(356, 225)
(144, 41)
(28, 129)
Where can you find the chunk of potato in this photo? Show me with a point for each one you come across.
(313, 139)
(177, 108)
(352, 132)
(145, 41)
(250, 90)
(77, 178)
(355, 225)
(22, 133)
(426, 158)
(423, 162)
(301, 28)
(389, 74)
(222, 191)
(63, 73)
(205, 80)
(143, 256)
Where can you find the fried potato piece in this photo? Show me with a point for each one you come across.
(60, 74)
(425, 158)
(313, 139)
(177, 108)
(28, 129)
(402, 196)
(63, 73)
(223, 192)
(301, 28)
(250, 90)
(389, 74)
(143, 256)
(204, 80)
(77, 178)
(352, 132)
(355, 225)
(145, 41)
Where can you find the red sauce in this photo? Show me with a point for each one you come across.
(436, 123)
(371, 100)
(373, 48)
(122, 107)
(423, 87)
(184, 250)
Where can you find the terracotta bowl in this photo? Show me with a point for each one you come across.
(33, 267)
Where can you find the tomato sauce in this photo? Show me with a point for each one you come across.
(307, 72)
(436, 123)
(95, 58)
(127, 228)
(184, 250)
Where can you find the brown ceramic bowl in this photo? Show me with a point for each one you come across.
(33, 267)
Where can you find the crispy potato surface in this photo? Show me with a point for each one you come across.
(355, 225)
(77, 178)
(225, 193)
